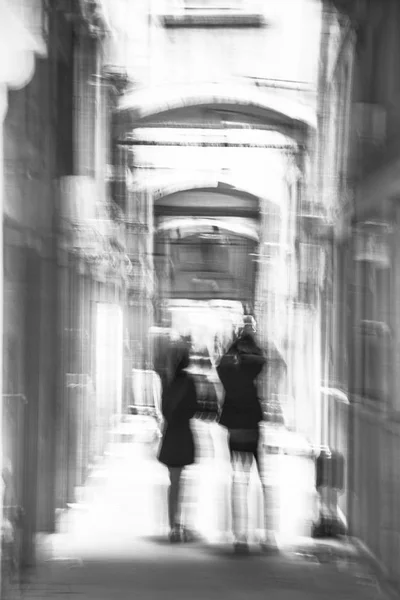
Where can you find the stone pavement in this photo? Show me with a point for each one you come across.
(111, 547)
(147, 569)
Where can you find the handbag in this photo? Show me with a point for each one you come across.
(243, 436)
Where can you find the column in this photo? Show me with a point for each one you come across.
(3, 110)
(17, 51)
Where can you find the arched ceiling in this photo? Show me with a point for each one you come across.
(238, 101)
(162, 187)
(208, 202)
(182, 227)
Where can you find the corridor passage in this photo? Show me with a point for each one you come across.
(112, 545)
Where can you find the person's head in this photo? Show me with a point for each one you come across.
(249, 324)
(248, 329)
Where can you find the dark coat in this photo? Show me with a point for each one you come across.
(179, 405)
(238, 370)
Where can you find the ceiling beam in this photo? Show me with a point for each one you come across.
(204, 211)
(206, 144)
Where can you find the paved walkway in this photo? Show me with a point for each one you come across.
(146, 570)
(111, 548)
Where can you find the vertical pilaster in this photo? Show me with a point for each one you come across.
(3, 111)
(395, 405)
(33, 349)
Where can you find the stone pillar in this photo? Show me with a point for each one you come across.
(139, 248)
(18, 47)
(396, 313)
(3, 110)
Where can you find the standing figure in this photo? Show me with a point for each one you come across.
(241, 415)
(179, 405)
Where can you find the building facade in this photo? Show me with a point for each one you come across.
(65, 264)
(223, 143)
(374, 382)
(362, 423)
(152, 160)
(333, 227)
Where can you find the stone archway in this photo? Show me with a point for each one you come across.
(236, 97)
(206, 258)
(286, 130)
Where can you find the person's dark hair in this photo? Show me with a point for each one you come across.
(246, 342)
(247, 337)
(181, 356)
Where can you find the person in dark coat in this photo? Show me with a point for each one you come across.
(179, 405)
(242, 411)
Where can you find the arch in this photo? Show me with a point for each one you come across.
(266, 105)
(243, 228)
(220, 188)
(163, 187)
(208, 202)
(163, 190)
